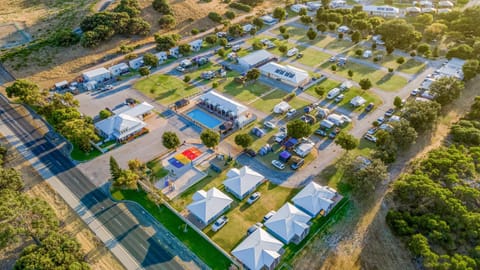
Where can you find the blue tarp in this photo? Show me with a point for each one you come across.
(175, 163)
(291, 142)
(284, 156)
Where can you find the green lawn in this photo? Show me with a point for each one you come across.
(411, 66)
(311, 57)
(330, 43)
(353, 92)
(381, 79)
(293, 32)
(267, 102)
(243, 92)
(242, 216)
(196, 243)
(157, 169)
(164, 89)
(80, 155)
(327, 85)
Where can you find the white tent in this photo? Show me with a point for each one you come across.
(241, 182)
(207, 205)
(281, 107)
(314, 198)
(357, 101)
(445, 4)
(258, 251)
(289, 224)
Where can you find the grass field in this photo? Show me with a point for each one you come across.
(164, 89)
(157, 169)
(80, 155)
(242, 92)
(353, 92)
(411, 66)
(379, 78)
(311, 57)
(267, 102)
(196, 243)
(327, 85)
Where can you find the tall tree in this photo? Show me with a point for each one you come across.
(27, 92)
(127, 179)
(253, 74)
(446, 90)
(311, 34)
(279, 13)
(243, 140)
(403, 134)
(365, 83)
(364, 178)
(115, 169)
(170, 140)
(10, 179)
(298, 129)
(210, 138)
(346, 141)
(149, 59)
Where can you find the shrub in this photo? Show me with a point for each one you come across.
(167, 21)
(334, 67)
(359, 52)
(162, 6)
(401, 60)
(240, 6)
(187, 78)
(390, 70)
(413, 53)
(214, 84)
(195, 31)
(215, 17)
(289, 97)
(230, 14)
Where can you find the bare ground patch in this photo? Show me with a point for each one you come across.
(362, 240)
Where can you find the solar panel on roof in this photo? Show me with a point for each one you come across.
(291, 75)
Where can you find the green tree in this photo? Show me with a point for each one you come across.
(302, 12)
(162, 6)
(210, 138)
(332, 26)
(365, 84)
(170, 140)
(462, 51)
(397, 102)
(470, 69)
(350, 73)
(387, 149)
(421, 115)
(27, 92)
(434, 31)
(80, 133)
(326, 4)
(211, 39)
(283, 48)
(221, 52)
(184, 49)
(403, 134)
(446, 89)
(131, 7)
(400, 60)
(222, 42)
(165, 42)
(397, 33)
(187, 78)
(167, 21)
(149, 59)
(424, 19)
(235, 30)
(104, 114)
(138, 26)
(423, 49)
(282, 29)
(279, 13)
(311, 34)
(253, 74)
(356, 37)
(243, 140)
(144, 71)
(230, 14)
(127, 179)
(298, 129)
(364, 178)
(65, 38)
(258, 23)
(305, 19)
(115, 169)
(10, 179)
(321, 27)
(346, 141)
(320, 90)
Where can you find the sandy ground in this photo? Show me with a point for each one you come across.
(50, 65)
(98, 256)
(362, 240)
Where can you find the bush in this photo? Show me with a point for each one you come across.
(390, 70)
(289, 97)
(240, 6)
(413, 53)
(340, 35)
(194, 31)
(215, 17)
(400, 60)
(187, 78)
(359, 52)
(334, 67)
(162, 6)
(167, 21)
(230, 14)
(214, 84)
(320, 90)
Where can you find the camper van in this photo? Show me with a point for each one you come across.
(326, 124)
(333, 93)
(336, 119)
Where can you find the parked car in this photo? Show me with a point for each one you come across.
(300, 55)
(389, 112)
(230, 38)
(372, 131)
(181, 69)
(339, 98)
(297, 164)
(369, 107)
(250, 152)
(130, 101)
(253, 198)
(108, 87)
(254, 227)
(291, 112)
(269, 124)
(236, 48)
(332, 59)
(279, 137)
(269, 215)
(278, 164)
(371, 138)
(380, 120)
(415, 92)
(334, 133)
(219, 223)
(321, 132)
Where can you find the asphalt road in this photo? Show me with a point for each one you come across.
(145, 248)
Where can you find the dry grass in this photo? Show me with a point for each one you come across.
(363, 240)
(50, 65)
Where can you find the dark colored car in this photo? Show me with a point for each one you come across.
(321, 132)
(250, 152)
(297, 164)
(369, 107)
(389, 112)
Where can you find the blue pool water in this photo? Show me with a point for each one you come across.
(204, 118)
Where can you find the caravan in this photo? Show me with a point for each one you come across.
(336, 119)
(333, 93)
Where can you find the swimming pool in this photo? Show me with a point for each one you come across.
(204, 118)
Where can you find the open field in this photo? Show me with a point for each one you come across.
(311, 57)
(410, 66)
(165, 89)
(327, 85)
(197, 244)
(244, 92)
(267, 102)
(383, 80)
(353, 92)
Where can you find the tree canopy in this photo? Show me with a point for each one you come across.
(346, 141)
(210, 138)
(170, 140)
(298, 129)
(398, 33)
(244, 140)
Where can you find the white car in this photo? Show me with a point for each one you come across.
(219, 223)
(371, 138)
(269, 124)
(109, 87)
(380, 120)
(415, 92)
(278, 164)
(291, 112)
(254, 197)
(339, 98)
(346, 118)
(292, 52)
(181, 69)
(269, 215)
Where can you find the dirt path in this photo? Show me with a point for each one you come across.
(98, 256)
(362, 240)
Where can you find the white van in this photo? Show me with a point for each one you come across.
(336, 119)
(333, 93)
(326, 124)
(292, 52)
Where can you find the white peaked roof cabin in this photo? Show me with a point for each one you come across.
(98, 75)
(125, 124)
(242, 182)
(162, 56)
(259, 251)
(119, 69)
(289, 224)
(315, 199)
(208, 205)
(255, 59)
(136, 63)
(196, 45)
(286, 74)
